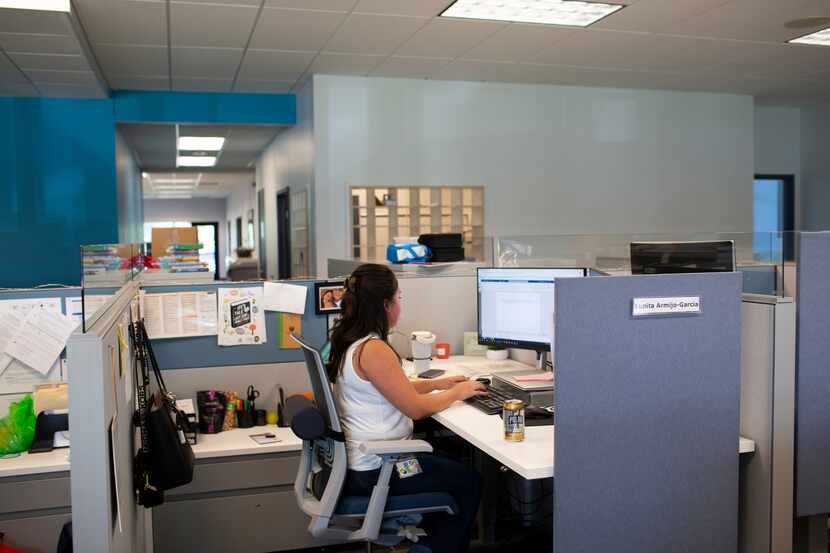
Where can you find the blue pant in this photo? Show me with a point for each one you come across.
(445, 533)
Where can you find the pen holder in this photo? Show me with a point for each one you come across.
(260, 417)
(245, 418)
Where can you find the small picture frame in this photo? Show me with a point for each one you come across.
(327, 296)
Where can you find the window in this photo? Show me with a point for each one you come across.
(380, 215)
(773, 212)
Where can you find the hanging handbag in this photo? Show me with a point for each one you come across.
(165, 460)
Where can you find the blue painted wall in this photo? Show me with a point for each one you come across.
(57, 187)
(58, 180)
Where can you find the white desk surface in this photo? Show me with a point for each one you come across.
(239, 442)
(531, 458)
(56, 460)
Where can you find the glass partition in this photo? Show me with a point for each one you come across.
(104, 269)
(763, 258)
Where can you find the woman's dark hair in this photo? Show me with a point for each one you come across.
(363, 311)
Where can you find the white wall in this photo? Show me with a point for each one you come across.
(553, 159)
(241, 200)
(778, 147)
(288, 162)
(195, 210)
(815, 163)
(129, 188)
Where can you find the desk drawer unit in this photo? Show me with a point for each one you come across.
(243, 503)
(33, 509)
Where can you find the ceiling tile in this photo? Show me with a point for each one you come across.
(264, 87)
(421, 8)
(137, 82)
(9, 73)
(761, 20)
(448, 38)
(254, 3)
(35, 22)
(131, 60)
(270, 65)
(517, 42)
(597, 49)
(211, 25)
(344, 64)
(49, 61)
(207, 63)
(202, 85)
(415, 68)
(279, 29)
(124, 21)
(330, 5)
(656, 15)
(78, 78)
(17, 89)
(39, 44)
(52, 90)
(373, 34)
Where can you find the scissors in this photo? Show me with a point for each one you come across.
(253, 393)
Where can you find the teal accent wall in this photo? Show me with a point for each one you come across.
(58, 187)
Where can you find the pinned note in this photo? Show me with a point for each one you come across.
(286, 298)
(41, 339)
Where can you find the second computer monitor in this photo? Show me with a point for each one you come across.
(649, 258)
(515, 305)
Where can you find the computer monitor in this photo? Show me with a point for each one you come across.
(651, 258)
(515, 305)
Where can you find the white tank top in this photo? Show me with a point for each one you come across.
(365, 414)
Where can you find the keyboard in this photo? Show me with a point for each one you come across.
(490, 404)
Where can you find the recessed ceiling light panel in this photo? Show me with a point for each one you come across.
(195, 161)
(820, 38)
(40, 5)
(201, 143)
(547, 12)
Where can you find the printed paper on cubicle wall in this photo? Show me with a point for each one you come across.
(241, 313)
(180, 314)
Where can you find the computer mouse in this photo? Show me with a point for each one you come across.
(483, 380)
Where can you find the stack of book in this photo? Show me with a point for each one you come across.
(184, 258)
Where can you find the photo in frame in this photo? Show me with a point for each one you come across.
(327, 296)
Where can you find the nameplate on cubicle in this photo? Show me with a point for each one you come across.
(686, 305)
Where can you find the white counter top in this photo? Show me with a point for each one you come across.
(532, 458)
(239, 442)
(56, 460)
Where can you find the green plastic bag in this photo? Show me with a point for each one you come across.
(17, 429)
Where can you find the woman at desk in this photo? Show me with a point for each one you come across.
(376, 401)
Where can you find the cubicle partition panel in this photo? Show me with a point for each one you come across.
(203, 351)
(647, 415)
(812, 437)
(446, 306)
(105, 516)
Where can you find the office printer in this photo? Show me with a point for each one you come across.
(538, 393)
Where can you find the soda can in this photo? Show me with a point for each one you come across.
(513, 413)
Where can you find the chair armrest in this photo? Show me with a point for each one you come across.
(394, 447)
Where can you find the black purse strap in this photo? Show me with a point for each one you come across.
(151, 356)
(142, 381)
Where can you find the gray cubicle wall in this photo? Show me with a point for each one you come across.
(647, 416)
(812, 437)
(105, 516)
(203, 351)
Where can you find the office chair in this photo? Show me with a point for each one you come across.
(323, 466)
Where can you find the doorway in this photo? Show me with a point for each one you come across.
(263, 250)
(283, 235)
(773, 212)
(208, 234)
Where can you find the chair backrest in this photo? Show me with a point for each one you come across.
(320, 385)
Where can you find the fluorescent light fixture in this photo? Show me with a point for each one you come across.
(40, 5)
(172, 187)
(173, 196)
(174, 181)
(819, 38)
(196, 161)
(547, 12)
(201, 143)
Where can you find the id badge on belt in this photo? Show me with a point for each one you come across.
(408, 467)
